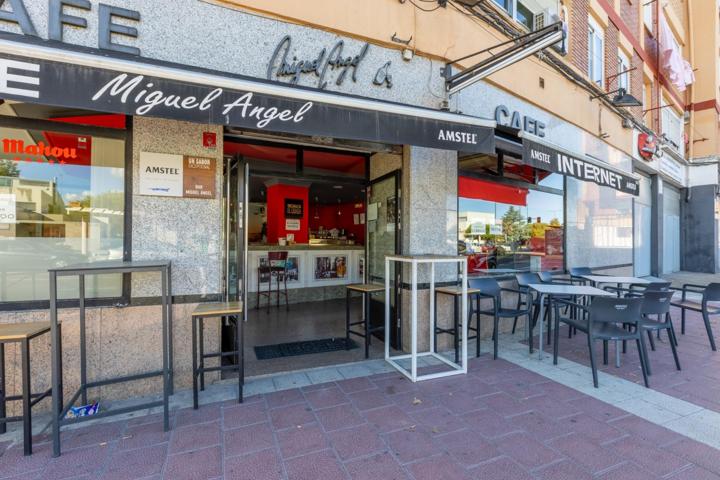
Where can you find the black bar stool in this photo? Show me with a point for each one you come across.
(366, 289)
(456, 293)
(208, 310)
(21, 333)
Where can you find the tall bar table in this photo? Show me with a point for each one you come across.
(59, 409)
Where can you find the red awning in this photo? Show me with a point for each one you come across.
(491, 191)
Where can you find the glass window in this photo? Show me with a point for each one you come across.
(623, 66)
(672, 127)
(596, 49)
(648, 15)
(525, 16)
(62, 201)
(508, 227)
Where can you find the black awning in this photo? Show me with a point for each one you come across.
(545, 157)
(170, 91)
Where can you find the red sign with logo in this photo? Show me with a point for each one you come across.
(60, 148)
(647, 146)
(210, 140)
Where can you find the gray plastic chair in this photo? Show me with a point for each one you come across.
(710, 293)
(656, 316)
(606, 317)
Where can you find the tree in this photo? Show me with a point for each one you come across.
(8, 168)
(514, 226)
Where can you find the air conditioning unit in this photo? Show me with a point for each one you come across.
(546, 18)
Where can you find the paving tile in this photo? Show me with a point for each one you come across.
(394, 385)
(248, 439)
(284, 398)
(655, 460)
(324, 375)
(378, 467)
(143, 436)
(538, 425)
(263, 465)
(341, 416)
(697, 453)
(439, 467)
(466, 447)
(13, 462)
(413, 401)
(291, 380)
(488, 423)
(291, 416)
(327, 397)
(596, 430)
(353, 385)
(189, 416)
(439, 419)
(81, 461)
(526, 450)
(320, 465)
(356, 441)
(369, 399)
(301, 440)
(93, 435)
(460, 402)
(590, 455)
(195, 465)
(695, 473)
(645, 430)
(501, 468)
(410, 444)
(503, 404)
(387, 419)
(628, 471)
(597, 409)
(245, 414)
(142, 462)
(564, 470)
(195, 437)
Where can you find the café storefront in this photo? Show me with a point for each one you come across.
(150, 157)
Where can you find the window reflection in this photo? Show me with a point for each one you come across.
(61, 202)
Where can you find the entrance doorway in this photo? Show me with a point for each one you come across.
(302, 223)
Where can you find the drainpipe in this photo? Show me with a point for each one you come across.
(658, 90)
(691, 44)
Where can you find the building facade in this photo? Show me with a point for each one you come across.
(242, 127)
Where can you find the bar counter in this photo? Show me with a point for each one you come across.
(253, 247)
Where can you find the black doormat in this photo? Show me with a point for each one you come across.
(292, 349)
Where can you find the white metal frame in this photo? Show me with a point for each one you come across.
(431, 260)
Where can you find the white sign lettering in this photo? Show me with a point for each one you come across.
(6, 76)
(458, 137)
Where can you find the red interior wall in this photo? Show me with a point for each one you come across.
(329, 219)
(276, 195)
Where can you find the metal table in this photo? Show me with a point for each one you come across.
(619, 281)
(106, 268)
(549, 290)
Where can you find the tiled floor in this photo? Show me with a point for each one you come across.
(500, 421)
(699, 380)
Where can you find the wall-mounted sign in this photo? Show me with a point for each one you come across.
(546, 158)
(292, 224)
(172, 175)
(68, 85)
(8, 212)
(325, 66)
(672, 169)
(63, 148)
(209, 140)
(198, 177)
(647, 146)
(516, 120)
(294, 208)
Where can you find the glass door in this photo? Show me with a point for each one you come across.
(384, 238)
(235, 176)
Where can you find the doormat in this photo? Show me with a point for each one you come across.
(292, 349)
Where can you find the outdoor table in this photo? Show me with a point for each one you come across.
(106, 268)
(619, 281)
(551, 289)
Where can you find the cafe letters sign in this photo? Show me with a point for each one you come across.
(172, 175)
(68, 85)
(546, 158)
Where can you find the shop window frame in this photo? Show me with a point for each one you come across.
(501, 179)
(23, 123)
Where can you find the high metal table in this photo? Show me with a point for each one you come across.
(596, 280)
(59, 410)
(551, 289)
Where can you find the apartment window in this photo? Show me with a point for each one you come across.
(532, 14)
(672, 127)
(596, 49)
(648, 15)
(623, 80)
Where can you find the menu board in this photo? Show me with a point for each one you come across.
(198, 177)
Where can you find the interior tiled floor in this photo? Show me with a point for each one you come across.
(304, 321)
(498, 422)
